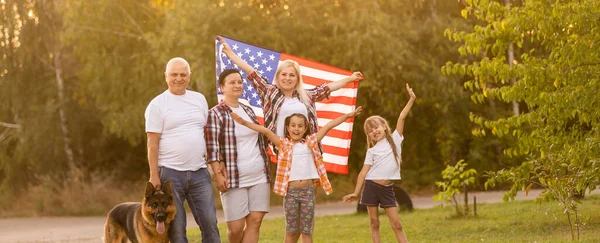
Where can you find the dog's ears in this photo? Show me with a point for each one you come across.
(149, 189)
(166, 187)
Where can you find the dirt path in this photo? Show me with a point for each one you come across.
(90, 229)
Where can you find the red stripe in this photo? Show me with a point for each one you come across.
(317, 81)
(332, 115)
(344, 100)
(336, 150)
(335, 168)
(315, 65)
(338, 134)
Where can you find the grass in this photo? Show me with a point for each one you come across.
(521, 221)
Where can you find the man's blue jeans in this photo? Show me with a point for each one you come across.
(195, 187)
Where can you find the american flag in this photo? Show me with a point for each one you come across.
(336, 144)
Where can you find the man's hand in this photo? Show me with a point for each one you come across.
(155, 180)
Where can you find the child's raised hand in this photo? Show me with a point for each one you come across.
(349, 197)
(238, 118)
(410, 92)
(355, 112)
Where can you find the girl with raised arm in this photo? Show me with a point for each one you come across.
(381, 167)
(300, 169)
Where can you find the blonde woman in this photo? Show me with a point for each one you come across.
(286, 96)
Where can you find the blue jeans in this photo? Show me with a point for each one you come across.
(195, 187)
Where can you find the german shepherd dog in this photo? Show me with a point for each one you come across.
(147, 221)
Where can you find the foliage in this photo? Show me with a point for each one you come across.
(113, 55)
(554, 78)
(455, 178)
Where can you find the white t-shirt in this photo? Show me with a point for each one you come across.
(250, 162)
(381, 158)
(289, 107)
(303, 163)
(180, 119)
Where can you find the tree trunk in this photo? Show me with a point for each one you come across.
(511, 59)
(58, 72)
(466, 189)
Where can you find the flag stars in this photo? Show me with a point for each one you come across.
(234, 47)
(249, 88)
(252, 58)
(269, 69)
(239, 54)
(256, 65)
(271, 57)
(259, 54)
(264, 61)
(247, 50)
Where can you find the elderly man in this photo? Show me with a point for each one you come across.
(175, 123)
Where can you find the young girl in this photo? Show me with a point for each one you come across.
(382, 166)
(299, 169)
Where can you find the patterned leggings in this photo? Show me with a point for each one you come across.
(299, 207)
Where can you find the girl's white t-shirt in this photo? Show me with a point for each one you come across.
(289, 107)
(382, 161)
(250, 162)
(303, 163)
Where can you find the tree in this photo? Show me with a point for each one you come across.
(556, 78)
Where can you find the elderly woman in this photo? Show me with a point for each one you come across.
(287, 95)
(238, 156)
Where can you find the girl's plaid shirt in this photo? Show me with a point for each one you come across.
(272, 100)
(221, 143)
(284, 165)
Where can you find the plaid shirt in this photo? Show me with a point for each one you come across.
(221, 143)
(284, 165)
(272, 100)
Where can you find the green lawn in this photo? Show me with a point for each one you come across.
(522, 221)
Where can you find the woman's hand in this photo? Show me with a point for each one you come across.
(357, 76)
(221, 182)
(226, 47)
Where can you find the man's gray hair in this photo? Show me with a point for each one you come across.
(177, 60)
